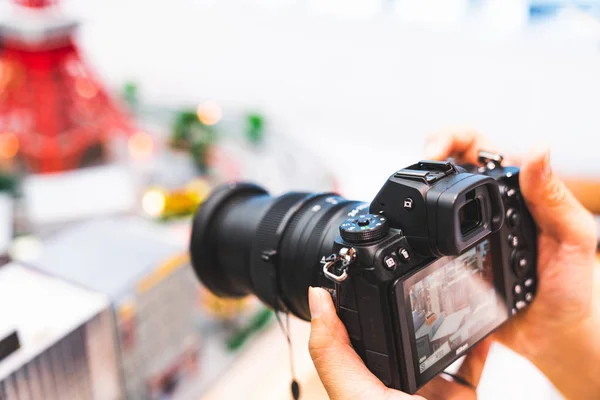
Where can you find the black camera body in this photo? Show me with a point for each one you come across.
(442, 258)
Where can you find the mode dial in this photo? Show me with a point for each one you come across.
(364, 228)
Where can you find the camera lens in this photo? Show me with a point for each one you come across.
(246, 241)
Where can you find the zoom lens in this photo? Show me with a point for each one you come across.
(245, 241)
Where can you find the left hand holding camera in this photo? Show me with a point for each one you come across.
(345, 376)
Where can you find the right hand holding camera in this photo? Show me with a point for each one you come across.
(559, 333)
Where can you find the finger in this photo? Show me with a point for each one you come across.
(440, 388)
(472, 366)
(514, 160)
(470, 370)
(556, 211)
(341, 370)
(463, 145)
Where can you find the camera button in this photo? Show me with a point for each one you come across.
(379, 365)
(520, 263)
(529, 297)
(403, 254)
(390, 262)
(529, 282)
(514, 311)
(513, 240)
(510, 192)
(363, 221)
(518, 289)
(520, 305)
(513, 217)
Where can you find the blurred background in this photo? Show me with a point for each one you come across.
(118, 117)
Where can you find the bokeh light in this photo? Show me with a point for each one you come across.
(200, 187)
(141, 146)
(25, 248)
(9, 145)
(86, 88)
(209, 112)
(153, 202)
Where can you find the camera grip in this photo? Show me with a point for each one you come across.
(362, 309)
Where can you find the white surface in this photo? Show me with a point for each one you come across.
(268, 354)
(83, 193)
(42, 310)
(336, 84)
(108, 255)
(6, 222)
(509, 376)
(34, 27)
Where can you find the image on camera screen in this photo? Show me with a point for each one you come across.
(455, 305)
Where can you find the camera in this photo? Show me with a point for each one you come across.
(442, 256)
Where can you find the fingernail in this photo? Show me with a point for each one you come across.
(547, 165)
(314, 302)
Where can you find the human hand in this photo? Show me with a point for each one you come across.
(345, 376)
(563, 316)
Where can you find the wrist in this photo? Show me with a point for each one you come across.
(570, 356)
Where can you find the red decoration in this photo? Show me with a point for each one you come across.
(49, 98)
(35, 3)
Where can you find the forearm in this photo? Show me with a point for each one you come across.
(572, 363)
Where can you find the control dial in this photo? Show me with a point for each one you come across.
(364, 228)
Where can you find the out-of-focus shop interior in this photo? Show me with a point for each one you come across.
(117, 118)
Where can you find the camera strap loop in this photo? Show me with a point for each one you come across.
(295, 386)
(335, 266)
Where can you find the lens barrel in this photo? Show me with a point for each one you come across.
(245, 241)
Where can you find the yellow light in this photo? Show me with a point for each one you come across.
(127, 310)
(140, 146)
(209, 112)
(200, 188)
(9, 145)
(153, 202)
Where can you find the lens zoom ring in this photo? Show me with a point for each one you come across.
(295, 253)
(263, 272)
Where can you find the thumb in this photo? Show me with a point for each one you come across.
(341, 370)
(472, 366)
(556, 211)
(465, 381)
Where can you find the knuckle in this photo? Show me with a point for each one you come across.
(317, 346)
(556, 192)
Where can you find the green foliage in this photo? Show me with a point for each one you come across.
(190, 134)
(131, 93)
(255, 128)
(258, 321)
(8, 183)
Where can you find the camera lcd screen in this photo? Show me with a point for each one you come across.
(454, 305)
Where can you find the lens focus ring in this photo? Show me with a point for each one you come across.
(263, 271)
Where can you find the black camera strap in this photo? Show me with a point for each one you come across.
(295, 386)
